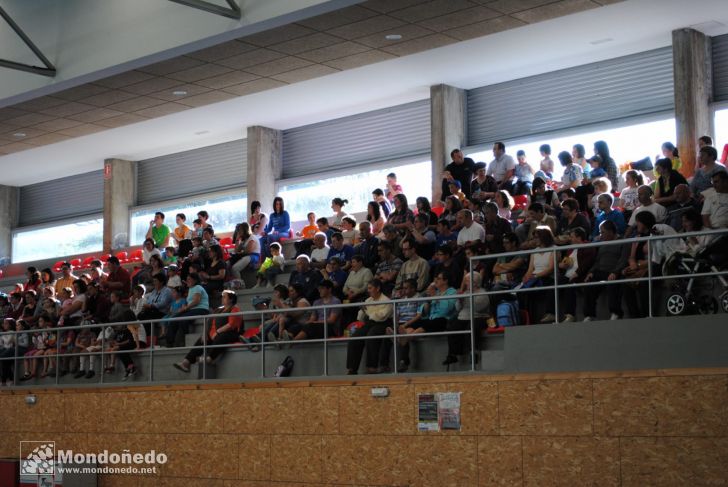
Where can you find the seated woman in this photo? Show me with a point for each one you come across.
(452, 207)
(460, 344)
(435, 315)
(213, 278)
(222, 331)
(424, 208)
(279, 224)
(247, 251)
(540, 272)
(291, 323)
(321, 319)
(667, 182)
(198, 304)
(375, 218)
(547, 197)
(402, 216)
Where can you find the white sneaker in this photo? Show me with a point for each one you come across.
(568, 318)
(614, 317)
(548, 318)
(588, 318)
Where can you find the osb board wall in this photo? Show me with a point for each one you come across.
(645, 428)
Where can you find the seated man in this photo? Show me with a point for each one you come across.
(537, 216)
(608, 264)
(414, 267)
(376, 318)
(368, 245)
(715, 206)
(118, 279)
(388, 267)
(683, 202)
(447, 264)
(306, 277)
(340, 250)
(607, 213)
(571, 219)
(320, 251)
(495, 228)
(502, 167)
(423, 236)
(644, 195)
(470, 231)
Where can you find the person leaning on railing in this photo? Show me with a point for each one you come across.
(222, 331)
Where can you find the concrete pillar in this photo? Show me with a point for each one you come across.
(119, 196)
(8, 219)
(265, 165)
(693, 92)
(448, 129)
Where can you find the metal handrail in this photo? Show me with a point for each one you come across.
(470, 294)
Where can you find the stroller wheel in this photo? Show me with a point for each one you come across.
(676, 304)
(707, 305)
(724, 301)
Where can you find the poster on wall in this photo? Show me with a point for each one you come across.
(427, 417)
(449, 410)
(438, 411)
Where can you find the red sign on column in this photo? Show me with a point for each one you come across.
(107, 171)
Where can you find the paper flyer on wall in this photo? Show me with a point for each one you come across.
(427, 417)
(440, 411)
(449, 410)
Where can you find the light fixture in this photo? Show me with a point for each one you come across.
(393, 37)
(30, 399)
(380, 392)
(19, 134)
(179, 93)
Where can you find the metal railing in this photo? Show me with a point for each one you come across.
(151, 351)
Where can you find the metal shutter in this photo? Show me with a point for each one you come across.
(639, 84)
(377, 136)
(193, 172)
(62, 198)
(720, 68)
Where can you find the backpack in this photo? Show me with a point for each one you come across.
(506, 313)
(286, 367)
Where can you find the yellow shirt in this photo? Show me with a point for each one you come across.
(380, 312)
(182, 232)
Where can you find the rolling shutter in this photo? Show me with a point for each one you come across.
(193, 172)
(62, 198)
(720, 68)
(629, 86)
(378, 136)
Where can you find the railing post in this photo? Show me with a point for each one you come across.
(204, 348)
(326, 343)
(649, 276)
(151, 351)
(556, 287)
(57, 368)
(472, 318)
(394, 339)
(102, 369)
(262, 345)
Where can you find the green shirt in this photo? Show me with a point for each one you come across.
(160, 234)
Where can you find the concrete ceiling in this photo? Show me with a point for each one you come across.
(324, 67)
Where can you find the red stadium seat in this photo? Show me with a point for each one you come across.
(136, 256)
(520, 202)
(57, 266)
(123, 257)
(76, 263)
(290, 236)
(104, 258)
(438, 210)
(226, 241)
(495, 331)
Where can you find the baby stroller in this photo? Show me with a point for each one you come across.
(683, 297)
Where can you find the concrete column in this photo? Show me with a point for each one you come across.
(119, 196)
(693, 92)
(8, 219)
(448, 129)
(265, 165)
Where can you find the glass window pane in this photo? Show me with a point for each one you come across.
(225, 212)
(46, 243)
(629, 143)
(316, 195)
(721, 130)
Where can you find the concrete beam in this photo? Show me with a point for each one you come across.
(119, 196)
(693, 93)
(448, 129)
(8, 219)
(265, 164)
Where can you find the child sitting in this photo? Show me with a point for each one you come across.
(178, 302)
(271, 266)
(349, 231)
(173, 278)
(596, 168)
(136, 303)
(601, 186)
(84, 340)
(309, 230)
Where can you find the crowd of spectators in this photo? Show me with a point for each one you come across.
(396, 251)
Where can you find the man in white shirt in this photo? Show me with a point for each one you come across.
(502, 167)
(470, 230)
(715, 206)
(320, 251)
(644, 195)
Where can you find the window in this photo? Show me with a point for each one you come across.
(226, 210)
(721, 129)
(46, 242)
(629, 143)
(316, 195)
